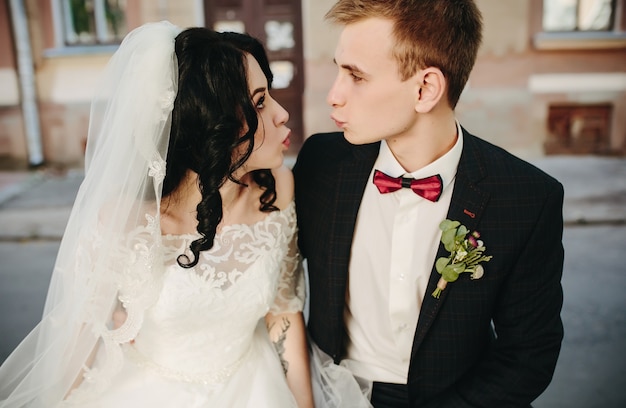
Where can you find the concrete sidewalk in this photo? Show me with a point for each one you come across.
(36, 205)
(595, 187)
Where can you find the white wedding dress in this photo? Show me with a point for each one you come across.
(204, 343)
(124, 325)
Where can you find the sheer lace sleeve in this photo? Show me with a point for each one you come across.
(291, 286)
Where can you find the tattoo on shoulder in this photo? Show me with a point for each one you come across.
(279, 344)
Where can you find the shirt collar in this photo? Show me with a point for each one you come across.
(445, 166)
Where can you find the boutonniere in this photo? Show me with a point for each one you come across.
(466, 254)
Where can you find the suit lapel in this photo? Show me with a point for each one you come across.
(352, 175)
(467, 206)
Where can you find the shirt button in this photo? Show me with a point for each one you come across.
(401, 276)
(402, 327)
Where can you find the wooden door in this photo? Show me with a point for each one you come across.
(278, 24)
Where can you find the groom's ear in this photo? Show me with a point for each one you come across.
(431, 89)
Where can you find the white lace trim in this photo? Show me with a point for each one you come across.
(237, 246)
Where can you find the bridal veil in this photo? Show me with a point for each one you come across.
(109, 262)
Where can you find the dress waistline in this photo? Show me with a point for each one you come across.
(207, 378)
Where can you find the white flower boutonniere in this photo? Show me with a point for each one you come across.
(466, 254)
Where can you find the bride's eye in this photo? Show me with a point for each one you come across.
(261, 103)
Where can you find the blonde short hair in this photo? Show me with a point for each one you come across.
(428, 33)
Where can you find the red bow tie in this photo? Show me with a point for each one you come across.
(429, 187)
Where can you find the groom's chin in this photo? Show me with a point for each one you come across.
(357, 139)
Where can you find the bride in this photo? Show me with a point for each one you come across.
(178, 282)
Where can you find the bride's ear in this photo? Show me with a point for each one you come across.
(431, 89)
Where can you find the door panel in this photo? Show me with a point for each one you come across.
(278, 24)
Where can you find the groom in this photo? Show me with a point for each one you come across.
(486, 331)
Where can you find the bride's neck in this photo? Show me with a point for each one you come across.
(232, 193)
(179, 209)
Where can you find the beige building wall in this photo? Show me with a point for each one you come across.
(496, 104)
(66, 84)
(514, 83)
(320, 38)
(10, 112)
(183, 13)
(506, 100)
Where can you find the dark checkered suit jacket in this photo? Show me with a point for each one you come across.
(456, 361)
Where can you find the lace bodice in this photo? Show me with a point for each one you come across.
(194, 325)
(204, 318)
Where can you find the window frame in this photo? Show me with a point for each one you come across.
(579, 128)
(579, 39)
(62, 48)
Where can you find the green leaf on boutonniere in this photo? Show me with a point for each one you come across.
(446, 225)
(447, 237)
(461, 232)
(451, 272)
(466, 254)
(441, 264)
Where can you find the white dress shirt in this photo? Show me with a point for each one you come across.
(393, 251)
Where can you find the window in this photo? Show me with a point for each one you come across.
(93, 22)
(578, 15)
(579, 129)
(579, 24)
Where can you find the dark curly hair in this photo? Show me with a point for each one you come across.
(212, 109)
(252, 46)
